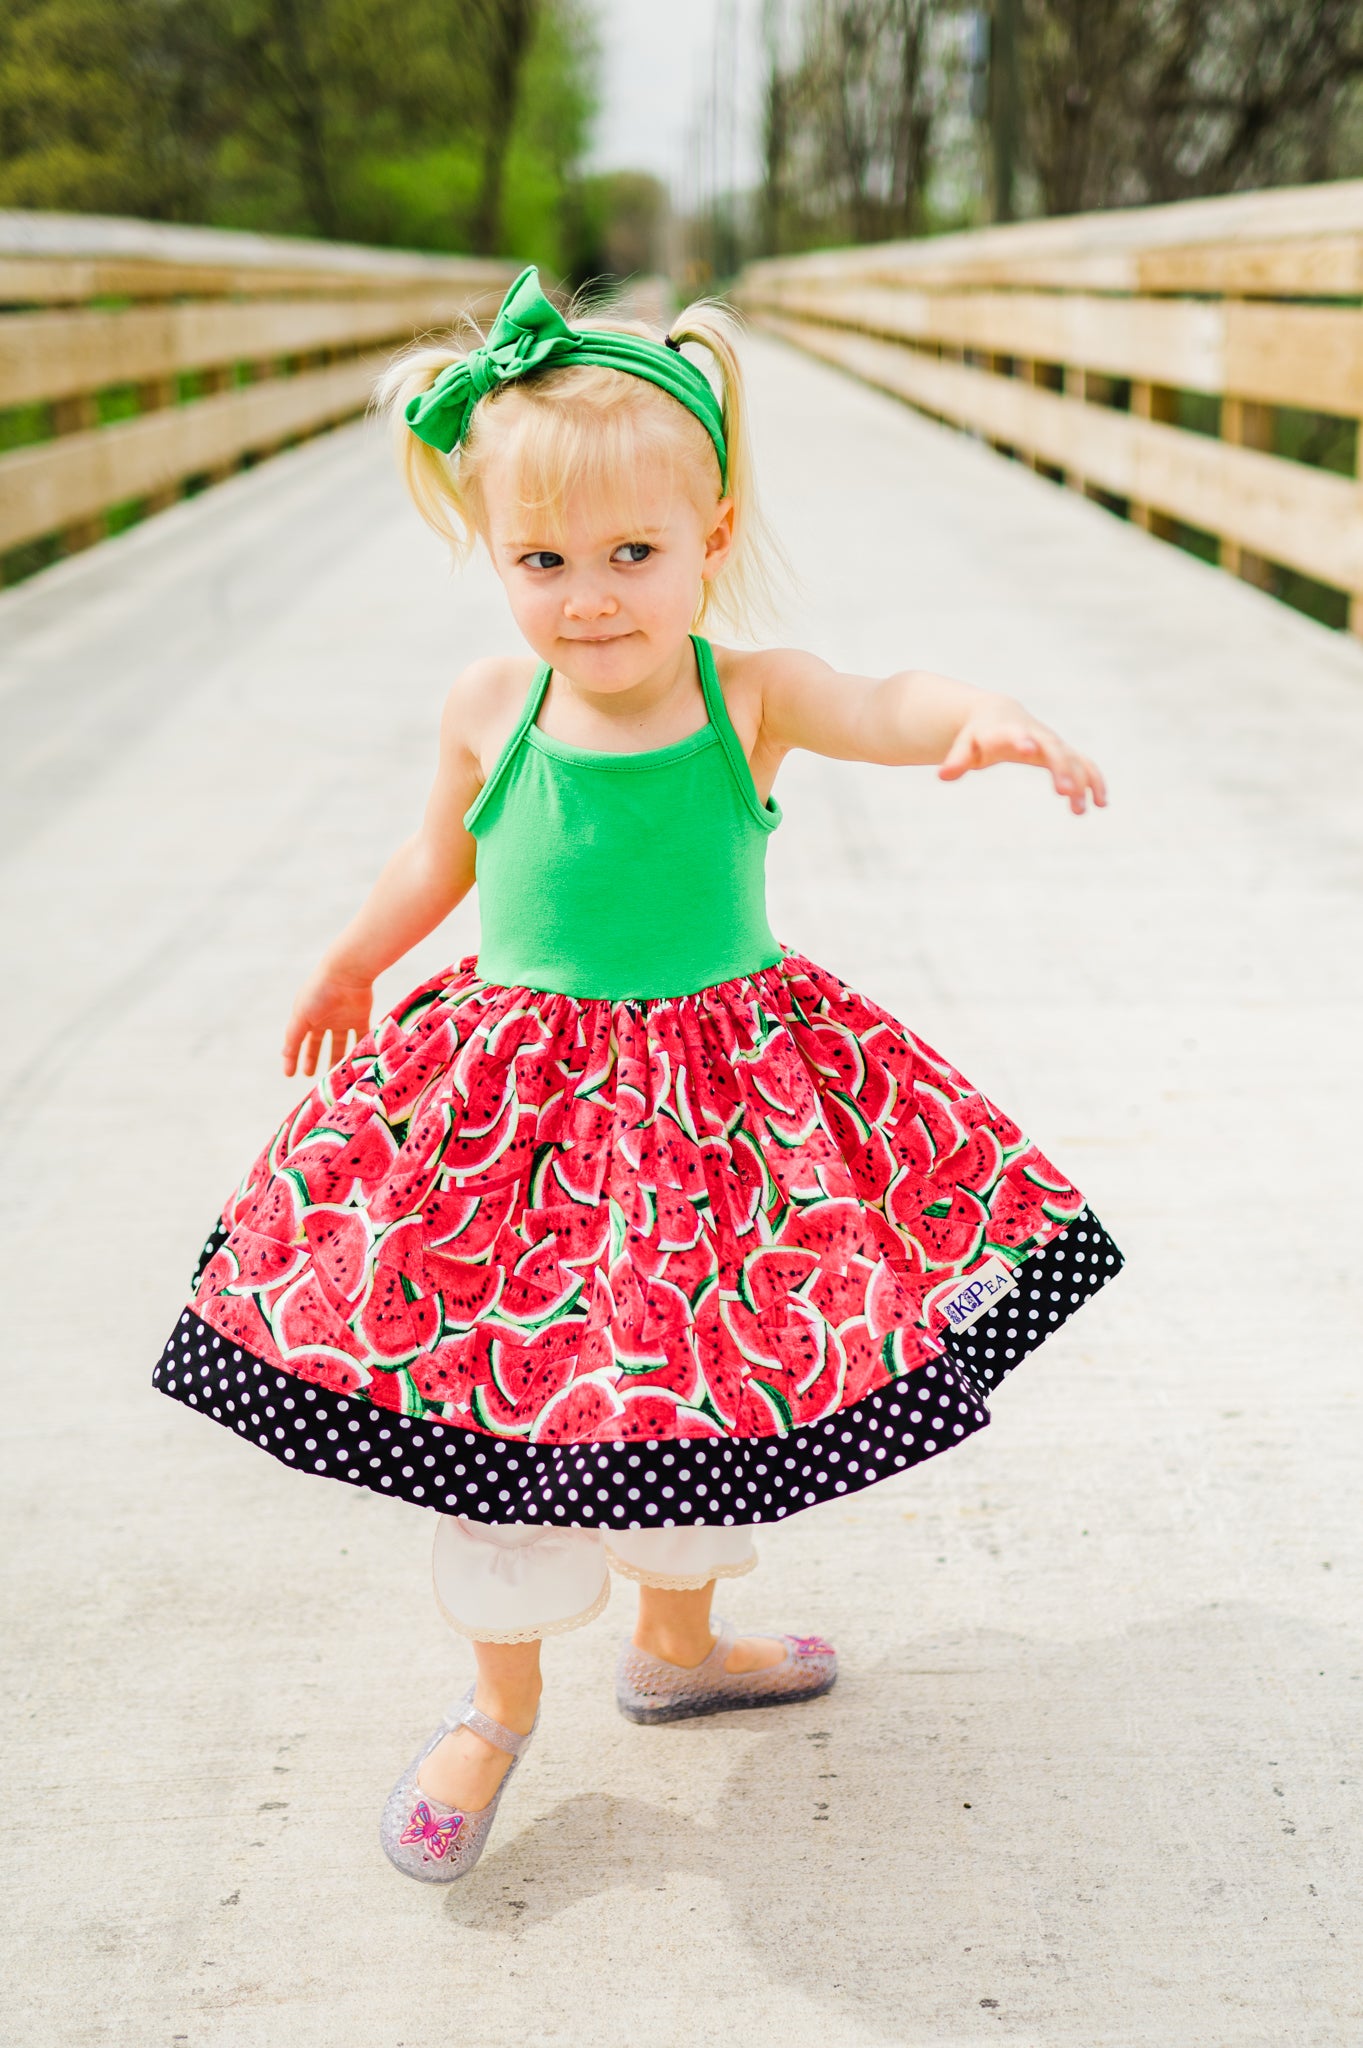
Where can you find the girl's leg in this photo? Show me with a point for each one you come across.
(675, 1626)
(465, 1771)
(676, 1570)
(505, 1586)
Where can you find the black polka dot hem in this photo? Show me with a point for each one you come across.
(707, 1481)
(1051, 1285)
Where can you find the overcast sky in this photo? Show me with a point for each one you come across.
(656, 67)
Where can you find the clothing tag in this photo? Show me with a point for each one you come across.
(978, 1293)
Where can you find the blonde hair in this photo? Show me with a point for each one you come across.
(593, 428)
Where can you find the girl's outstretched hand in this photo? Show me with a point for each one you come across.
(329, 1002)
(992, 734)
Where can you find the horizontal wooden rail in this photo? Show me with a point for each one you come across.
(56, 483)
(1306, 356)
(1068, 343)
(1332, 267)
(1301, 242)
(56, 355)
(47, 282)
(221, 346)
(48, 258)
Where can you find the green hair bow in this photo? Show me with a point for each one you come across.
(530, 334)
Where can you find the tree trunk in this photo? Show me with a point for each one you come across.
(510, 30)
(774, 130)
(912, 124)
(305, 117)
(1003, 108)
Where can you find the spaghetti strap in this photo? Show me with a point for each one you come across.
(768, 815)
(530, 711)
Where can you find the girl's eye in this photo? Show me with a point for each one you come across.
(542, 558)
(634, 551)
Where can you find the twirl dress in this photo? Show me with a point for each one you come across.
(635, 1220)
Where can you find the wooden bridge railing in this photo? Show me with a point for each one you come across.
(1198, 367)
(139, 361)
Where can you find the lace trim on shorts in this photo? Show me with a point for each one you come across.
(689, 1582)
(529, 1635)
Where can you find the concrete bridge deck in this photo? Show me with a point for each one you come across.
(1090, 1776)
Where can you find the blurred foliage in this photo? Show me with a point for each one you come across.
(622, 226)
(881, 115)
(1128, 102)
(853, 93)
(1321, 439)
(428, 124)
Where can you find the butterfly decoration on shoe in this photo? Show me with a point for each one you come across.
(436, 1836)
(810, 1646)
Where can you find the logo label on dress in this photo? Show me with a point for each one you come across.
(978, 1293)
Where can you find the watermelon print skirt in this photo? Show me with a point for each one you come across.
(708, 1259)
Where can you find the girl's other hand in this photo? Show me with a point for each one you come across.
(330, 1002)
(1008, 733)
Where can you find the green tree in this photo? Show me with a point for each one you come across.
(507, 31)
(97, 112)
(440, 124)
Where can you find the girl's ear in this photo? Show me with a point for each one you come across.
(719, 541)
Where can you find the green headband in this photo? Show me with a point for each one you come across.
(528, 335)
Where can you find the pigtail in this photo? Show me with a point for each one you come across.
(432, 479)
(749, 588)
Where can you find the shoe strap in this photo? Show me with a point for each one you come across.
(493, 1731)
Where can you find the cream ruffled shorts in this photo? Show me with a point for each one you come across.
(514, 1582)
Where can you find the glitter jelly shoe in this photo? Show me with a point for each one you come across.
(648, 1690)
(437, 1843)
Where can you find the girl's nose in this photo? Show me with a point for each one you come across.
(590, 604)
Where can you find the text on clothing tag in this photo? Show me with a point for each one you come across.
(978, 1293)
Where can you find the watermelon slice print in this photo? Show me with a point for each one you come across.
(524, 1215)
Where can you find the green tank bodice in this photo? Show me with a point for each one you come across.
(623, 876)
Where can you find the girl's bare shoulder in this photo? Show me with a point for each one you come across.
(485, 701)
(752, 678)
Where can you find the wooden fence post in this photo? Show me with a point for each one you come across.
(1075, 386)
(73, 416)
(1153, 402)
(998, 366)
(1356, 596)
(1025, 368)
(154, 396)
(1246, 424)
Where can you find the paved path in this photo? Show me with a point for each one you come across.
(1086, 1780)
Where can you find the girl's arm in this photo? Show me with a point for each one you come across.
(418, 888)
(913, 718)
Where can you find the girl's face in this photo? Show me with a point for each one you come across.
(606, 606)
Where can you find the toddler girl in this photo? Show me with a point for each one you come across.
(637, 1231)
